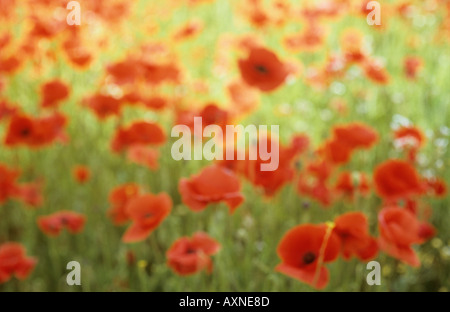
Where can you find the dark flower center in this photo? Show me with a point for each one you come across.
(25, 132)
(148, 215)
(191, 251)
(308, 258)
(262, 69)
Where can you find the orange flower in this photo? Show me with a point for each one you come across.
(77, 53)
(189, 30)
(119, 197)
(53, 92)
(157, 73)
(103, 106)
(436, 187)
(190, 255)
(410, 138)
(6, 109)
(347, 184)
(10, 64)
(82, 174)
(344, 184)
(310, 39)
(213, 184)
(244, 98)
(263, 70)
(376, 72)
(396, 179)
(140, 132)
(13, 261)
(352, 43)
(303, 251)
(213, 115)
(411, 66)
(142, 155)
(312, 182)
(273, 181)
(8, 186)
(30, 193)
(355, 135)
(53, 224)
(156, 102)
(346, 138)
(127, 71)
(399, 229)
(352, 229)
(147, 212)
(24, 130)
(20, 131)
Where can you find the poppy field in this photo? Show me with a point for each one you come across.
(103, 103)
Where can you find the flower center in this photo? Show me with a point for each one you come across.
(191, 251)
(309, 258)
(262, 69)
(25, 132)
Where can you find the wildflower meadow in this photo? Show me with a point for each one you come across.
(224, 145)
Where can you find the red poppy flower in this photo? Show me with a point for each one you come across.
(352, 229)
(50, 128)
(355, 135)
(346, 139)
(376, 72)
(53, 224)
(20, 131)
(13, 261)
(124, 72)
(189, 30)
(303, 251)
(119, 198)
(190, 255)
(348, 184)
(396, 179)
(30, 194)
(313, 182)
(336, 152)
(140, 132)
(272, 181)
(352, 43)
(411, 139)
(10, 64)
(310, 39)
(399, 229)
(82, 174)
(437, 187)
(410, 136)
(156, 102)
(147, 212)
(24, 130)
(7, 109)
(263, 70)
(213, 184)
(411, 66)
(244, 98)
(8, 184)
(104, 106)
(143, 155)
(77, 53)
(159, 73)
(213, 115)
(344, 184)
(53, 92)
